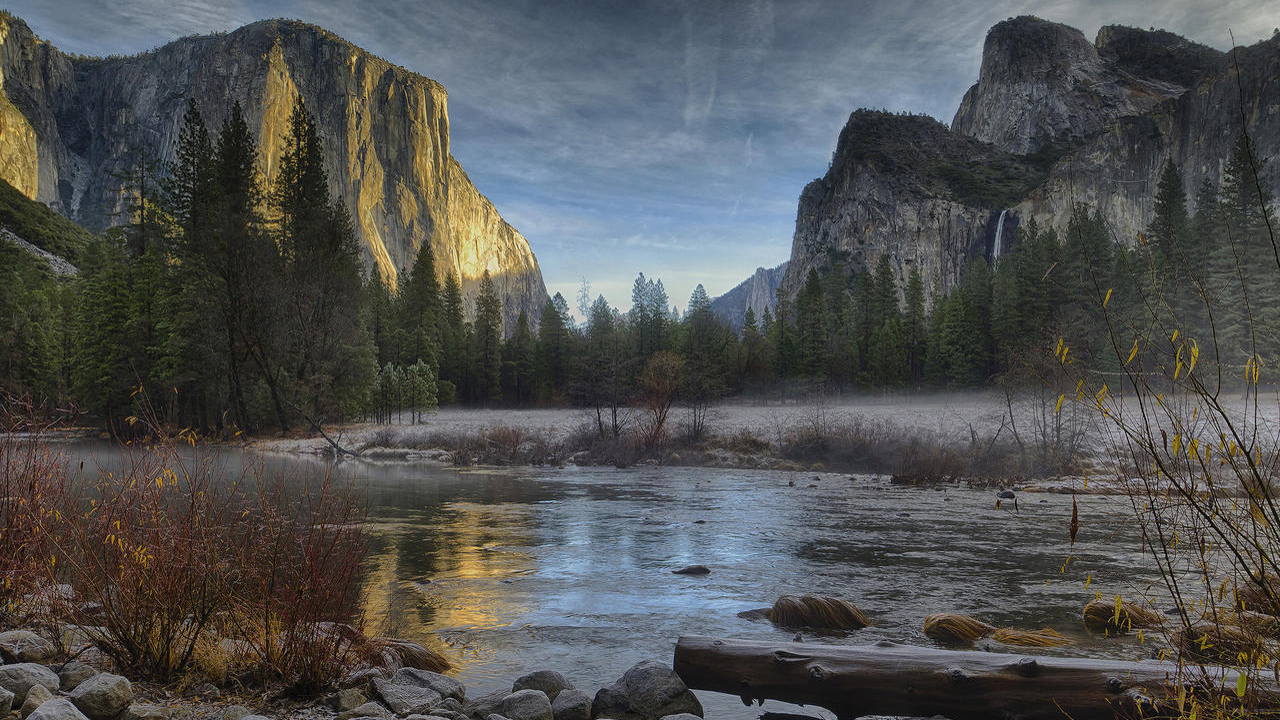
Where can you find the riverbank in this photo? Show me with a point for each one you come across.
(938, 440)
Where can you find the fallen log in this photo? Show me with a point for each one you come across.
(891, 679)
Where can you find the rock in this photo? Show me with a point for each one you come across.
(572, 704)
(19, 678)
(233, 712)
(255, 717)
(23, 646)
(449, 704)
(6, 702)
(57, 709)
(549, 682)
(485, 705)
(345, 699)
(693, 570)
(361, 678)
(526, 705)
(446, 686)
(147, 712)
(207, 690)
(104, 696)
(648, 691)
(36, 696)
(369, 710)
(405, 699)
(682, 716)
(74, 673)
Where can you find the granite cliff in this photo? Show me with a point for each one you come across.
(757, 293)
(69, 125)
(1054, 120)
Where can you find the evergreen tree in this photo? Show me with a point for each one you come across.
(518, 364)
(454, 347)
(811, 329)
(915, 328)
(419, 308)
(487, 341)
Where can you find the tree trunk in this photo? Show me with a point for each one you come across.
(891, 679)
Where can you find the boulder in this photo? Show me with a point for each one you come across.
(6, 702)
(104, 696)
(19, 678)
(255, 717)
(370, 710)
(345, 699)
(147, 712)
(548, 681)
(405, 699)
(36, 696)
(74, 673)
(682, 716)
(648, 691)
(526, 705)
(446, 686)
(362, 678)
(22, 646)
(449, 704)
(57, 709)
(572, 704)
(484, 706)
(693, 570)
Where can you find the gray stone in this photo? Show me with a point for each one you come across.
(447, 714)
(369, 709)
(233, 712)
(443, 684)
(405, 699)
(74, 673)
(526, 705)
(104, 696)
(451, 704)
(345, 699)
(147, 712)
(255, 717)
(57, 709)
(207, 690)
(21, 646)
(19, 678)
(484, 706)
(572, 704)
(362, 678)
(6, 702)
(682, 716)
(548, 681)
(693, 570)
(648, 691)
(36, 696)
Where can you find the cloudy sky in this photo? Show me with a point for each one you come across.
(670, 137)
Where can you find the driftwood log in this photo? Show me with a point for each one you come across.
(890, 679)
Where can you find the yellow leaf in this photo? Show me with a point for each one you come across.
(1106, 299)
(1241, 685)
(1132, 353)
(1058, 408)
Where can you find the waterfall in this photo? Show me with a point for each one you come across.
(996, 248)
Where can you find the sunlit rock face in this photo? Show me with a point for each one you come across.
(385, 132)
(1054, 121)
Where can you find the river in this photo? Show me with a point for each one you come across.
(510, 570)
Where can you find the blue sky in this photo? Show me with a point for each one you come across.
(658, 136)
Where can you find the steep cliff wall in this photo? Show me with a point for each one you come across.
(1054, 121)
(906, 186)
(385, 133)
(1043, 82)
(1117, 171)
(758, 292)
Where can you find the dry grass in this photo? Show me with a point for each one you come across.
(1119, 616)
(814, 611)
(962, 629)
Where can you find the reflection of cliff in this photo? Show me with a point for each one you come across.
(70, 125)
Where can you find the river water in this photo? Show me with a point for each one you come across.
(510, 570)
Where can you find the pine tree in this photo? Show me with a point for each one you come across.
(418, 311)
(915, 328)
(518, 363)
(454, 348)
(488, 341)
(811, 329)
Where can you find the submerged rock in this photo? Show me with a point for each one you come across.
(693, 570)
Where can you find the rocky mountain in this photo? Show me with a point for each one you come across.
(69, 125)
(758, 292)
(1054, 120)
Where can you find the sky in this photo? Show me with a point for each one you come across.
(669, 137)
